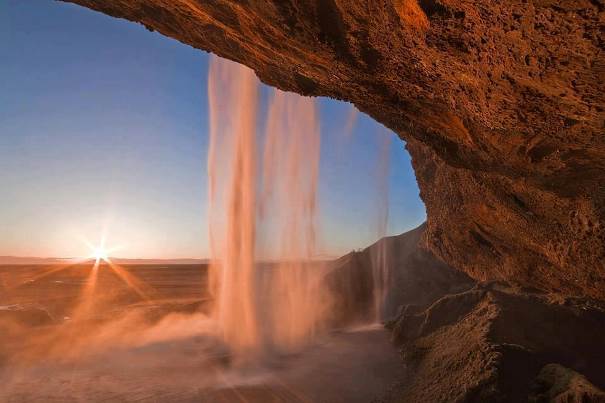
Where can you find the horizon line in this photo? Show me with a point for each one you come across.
(6, 259)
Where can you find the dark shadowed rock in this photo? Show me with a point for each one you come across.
(490, 344)
(558, 384)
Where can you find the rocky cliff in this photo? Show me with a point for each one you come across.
(474, 342)
(501, 103)
(416, 279)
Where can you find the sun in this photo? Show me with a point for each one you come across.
(100, 253)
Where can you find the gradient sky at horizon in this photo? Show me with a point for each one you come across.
(104, 124)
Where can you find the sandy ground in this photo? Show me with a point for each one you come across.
(344, 367)
(124, 354)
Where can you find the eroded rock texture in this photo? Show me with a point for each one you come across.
(500, 101)
(496, 344)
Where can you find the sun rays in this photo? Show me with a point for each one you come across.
(100, 252)
(140, 288)
(98, 259)
(101, 256)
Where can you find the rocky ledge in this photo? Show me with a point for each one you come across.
(495, 343)
(475, 342)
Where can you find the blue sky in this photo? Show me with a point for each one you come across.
(103, 125)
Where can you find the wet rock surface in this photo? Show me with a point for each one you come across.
(501, 104)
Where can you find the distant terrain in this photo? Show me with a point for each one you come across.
(24, 260)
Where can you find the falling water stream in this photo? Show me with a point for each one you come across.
(380, 255)
(289, 205)
(232, 93)
(274, 198)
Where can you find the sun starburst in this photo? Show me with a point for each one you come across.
(100, 253)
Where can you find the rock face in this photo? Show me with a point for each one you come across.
(501, 104)
(558, 384)
(474, 342)
(496, 344)
(416, 279)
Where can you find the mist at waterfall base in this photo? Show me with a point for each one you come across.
(259, 325)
